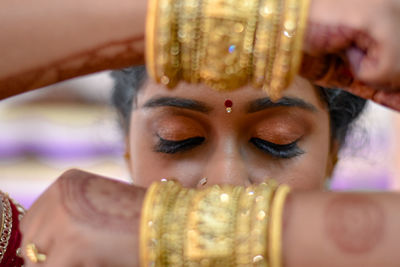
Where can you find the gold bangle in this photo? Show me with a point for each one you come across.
(151, 23)
(175, 230)
(265, 42)
(243, 228)
(162, 51)
(298, 43)
(224, 30)
(275, 228)
(211, 226)
(260, 220)
(151, 226)
(189, 38)
(288, 56)
(7, 223)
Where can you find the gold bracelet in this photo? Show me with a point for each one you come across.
(265, 42)
(288, 56)
(243, 228)
(7, 223)
(220, 225)
(298, 43)
(175, 230)
(275, 228)
(151, 226)
(224, 61)
(210, 229)
(189, 37)
(151, 29)
(226, 43)
(260, 221)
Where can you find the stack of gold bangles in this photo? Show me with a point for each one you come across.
(216, 226)
(226, 43)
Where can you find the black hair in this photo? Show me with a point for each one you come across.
(343, 107)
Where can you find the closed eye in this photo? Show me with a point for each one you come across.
(284, 151)
(172, 146)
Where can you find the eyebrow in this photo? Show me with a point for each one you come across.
(265, 103)
(178, 103)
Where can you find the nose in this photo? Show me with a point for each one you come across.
(227, 166)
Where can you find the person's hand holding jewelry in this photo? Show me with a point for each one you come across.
(82, 220)
(353, 45)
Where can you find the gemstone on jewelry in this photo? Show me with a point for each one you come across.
(261, 215)
(165, 80)
(258, 258)
(290, 25)
(232, 48)
(224, 197)
(238, 27)
(259, 198)
(288, 34)
(266, 11)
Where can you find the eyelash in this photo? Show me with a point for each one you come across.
(286, 151)
(172, 147)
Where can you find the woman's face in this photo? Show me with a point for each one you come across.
(187, 134)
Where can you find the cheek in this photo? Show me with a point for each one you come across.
(313, 170)
(146, 166)
(308, 171)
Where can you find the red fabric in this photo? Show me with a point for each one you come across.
(10, 258)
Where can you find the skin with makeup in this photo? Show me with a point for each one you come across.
(187, 134)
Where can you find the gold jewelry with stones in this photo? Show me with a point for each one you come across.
(265, 42)
(275, 228)
(216, 226)
(243, 228)
(260, 220)
(6, 224)
(288, 56)
(210, 228)
(229, 28)
(175, 231)
(203, 181)
(226, 43)
(151, 227)
(33, 254)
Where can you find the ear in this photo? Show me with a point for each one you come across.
(332, 159)
(127, 155)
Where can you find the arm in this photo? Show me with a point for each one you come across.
(320, 229)
(45, 41)
(342, 229)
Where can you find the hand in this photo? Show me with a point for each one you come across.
(352, 44)
(331, 71)
(85, 220)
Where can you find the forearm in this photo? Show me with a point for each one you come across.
(342, 229)
(49, 41)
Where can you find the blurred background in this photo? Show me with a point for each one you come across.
(72, 125)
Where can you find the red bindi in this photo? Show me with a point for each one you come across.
(228, 105)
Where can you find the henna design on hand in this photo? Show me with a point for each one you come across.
(112, 55)
(354, 223)
(332, 39)
(101, 202)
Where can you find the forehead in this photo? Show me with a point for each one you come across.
(300, 88)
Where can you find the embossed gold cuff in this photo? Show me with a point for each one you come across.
(216, 226)
(226, 43)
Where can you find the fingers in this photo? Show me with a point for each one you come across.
(388, 99)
